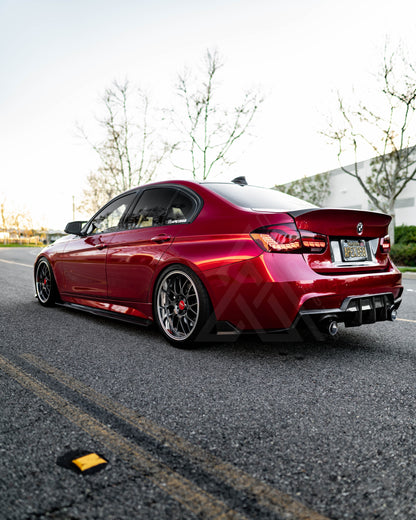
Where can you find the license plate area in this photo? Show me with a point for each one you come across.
(353, 250)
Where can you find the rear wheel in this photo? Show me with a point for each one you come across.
(181, 306)
(45, 285)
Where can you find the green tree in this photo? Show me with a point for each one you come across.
(313, 189)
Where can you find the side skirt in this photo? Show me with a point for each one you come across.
(107, 314)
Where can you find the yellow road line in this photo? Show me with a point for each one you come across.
(188, 494)
(403, 319)
(265, 495)
(15, 263)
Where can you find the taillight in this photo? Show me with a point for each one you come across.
(385, 244)
(285, 238)
(312, 242)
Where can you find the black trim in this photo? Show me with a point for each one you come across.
(298, 212)
(106, 314)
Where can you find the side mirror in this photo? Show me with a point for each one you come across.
(74, 228)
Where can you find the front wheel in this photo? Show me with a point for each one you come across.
(181, 306)
(45, 285)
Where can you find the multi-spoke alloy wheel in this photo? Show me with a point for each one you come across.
(181, 305)
(46, 291)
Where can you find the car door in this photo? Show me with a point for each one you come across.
(84, 262)
(150, 228)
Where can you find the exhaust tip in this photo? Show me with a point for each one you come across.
(333, 328)
(329, 325)
(392, 313)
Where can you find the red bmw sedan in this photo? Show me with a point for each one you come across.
(215, 260)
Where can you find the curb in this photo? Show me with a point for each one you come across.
(409, 276)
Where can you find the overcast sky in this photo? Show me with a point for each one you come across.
(58, 56)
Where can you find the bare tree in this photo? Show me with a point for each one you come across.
(12, 218)
(3, 215)
(386, 130)
(208, 129)
(130, 151)
(99, 189)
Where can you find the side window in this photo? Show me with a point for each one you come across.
(161, 206)
(107, 220)
(181, 209)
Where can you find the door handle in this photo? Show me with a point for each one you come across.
(159, 239)
(100, 246)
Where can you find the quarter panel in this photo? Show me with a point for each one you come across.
(212, 251)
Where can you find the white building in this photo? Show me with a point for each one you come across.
(346, 192)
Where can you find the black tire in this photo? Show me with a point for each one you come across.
(45, 285)
(181, 307)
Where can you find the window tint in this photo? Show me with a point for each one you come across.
(181, 210)
(108, 219)
(256, 198)
(161, 206)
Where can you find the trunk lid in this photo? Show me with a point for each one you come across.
(355, 239)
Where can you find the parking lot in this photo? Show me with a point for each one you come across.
(244, 430)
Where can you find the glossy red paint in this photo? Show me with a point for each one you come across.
(81, 268)
(249, 287)
(132, 258)
(333, 222)
(267, 292)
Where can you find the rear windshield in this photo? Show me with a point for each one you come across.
(256, 198)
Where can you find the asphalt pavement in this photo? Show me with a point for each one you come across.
(244, 430)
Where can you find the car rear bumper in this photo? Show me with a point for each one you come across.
(317, 325)
(277, 293)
